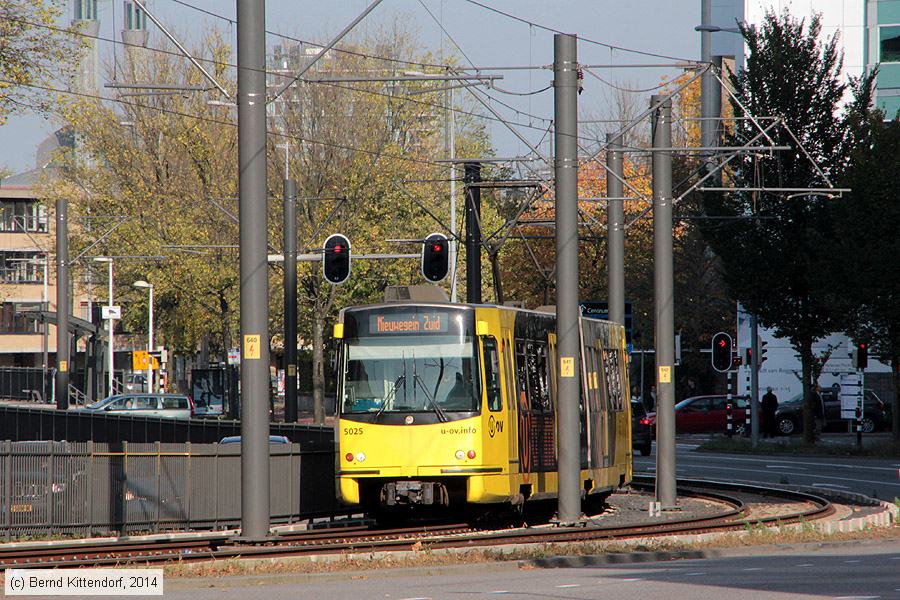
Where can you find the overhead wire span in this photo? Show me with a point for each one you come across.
(584, 39)
(231, 124)
(278, 74)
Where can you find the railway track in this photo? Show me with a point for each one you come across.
(362, 538)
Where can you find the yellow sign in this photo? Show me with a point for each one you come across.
(251, 347)
(63, 366)
(155, 363)
(566, 366)
(140, 360)
(292, 370)
(665, 374)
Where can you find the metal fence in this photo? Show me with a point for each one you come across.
(53, 488)
(24, 423)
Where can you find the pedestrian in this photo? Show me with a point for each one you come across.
(769, 407)
(651, 405)
(690, 389)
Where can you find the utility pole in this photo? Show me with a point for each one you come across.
(63, 362)
(472, 179)
(710, 96)
(290, 300)
(754, 382)
(664, 309)
(568, 340)
(251, 100)
(615, 227)
(451, 154)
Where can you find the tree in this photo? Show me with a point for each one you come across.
(364, 168)
(771, 243)
(33, 52)
(150, 176)
(864, 276)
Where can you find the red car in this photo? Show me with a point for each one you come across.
(708, 414)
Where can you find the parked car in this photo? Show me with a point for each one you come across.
(641, 432)
(174, 406)
(789, 416)
(273, 439)
(708, 414)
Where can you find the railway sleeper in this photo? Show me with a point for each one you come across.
(414, 493)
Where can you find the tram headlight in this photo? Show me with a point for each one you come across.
(361, 457)
(460, 455)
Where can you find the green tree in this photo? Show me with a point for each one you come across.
(33, 52)
(865, 278)
(774, 243)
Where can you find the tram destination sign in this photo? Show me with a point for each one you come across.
(417, 322)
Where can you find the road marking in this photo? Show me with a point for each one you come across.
(753, 569)
(834, 485)
(786, 467)
(852, 561)
(812, 464)
(694, 574)
(569, 585)
(856, 597)
(732, 469)
(803, 565)
(632, 579)
(498, 592)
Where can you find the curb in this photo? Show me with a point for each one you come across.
(616, 558)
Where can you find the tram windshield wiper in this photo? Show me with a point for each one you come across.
(442, 416)
(389, 396)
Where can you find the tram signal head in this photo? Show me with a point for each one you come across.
(435, 257)
(722, 347)
(860, 355)
(336, 259)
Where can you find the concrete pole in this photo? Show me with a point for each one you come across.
(251, 98)
(63, 363)
(568, 341)
(473, 232)
(707, 127)
(710, 95)
(615, 227)
(664, 302)
(451, 154)
(290, 300)
(754, 381)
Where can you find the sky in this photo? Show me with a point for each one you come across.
(487, 38)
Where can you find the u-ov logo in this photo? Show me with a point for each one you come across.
(494, 426)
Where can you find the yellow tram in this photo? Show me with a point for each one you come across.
(454, 405)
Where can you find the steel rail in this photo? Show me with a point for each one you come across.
(362, 538)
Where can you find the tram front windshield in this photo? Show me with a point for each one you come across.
(412, 373)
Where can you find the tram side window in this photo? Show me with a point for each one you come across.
(492, 374)
(538, 376)
(522, 374)
(613, 379)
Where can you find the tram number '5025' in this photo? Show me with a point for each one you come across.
(353, 430)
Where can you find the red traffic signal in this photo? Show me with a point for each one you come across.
(722, 346)
(435, 257)
(336, 259)
(860, 356)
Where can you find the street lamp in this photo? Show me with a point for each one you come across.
(109, 314)
(143, 284)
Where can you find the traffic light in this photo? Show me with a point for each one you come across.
(435, 257)
(722, 346)
(860, 356)
(336, 259)
(763, 347)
